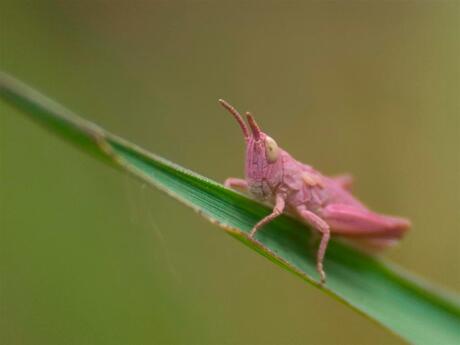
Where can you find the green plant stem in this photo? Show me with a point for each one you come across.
(378, 290)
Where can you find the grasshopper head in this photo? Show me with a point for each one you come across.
(264, 168)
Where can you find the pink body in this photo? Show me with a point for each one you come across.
(325, 203)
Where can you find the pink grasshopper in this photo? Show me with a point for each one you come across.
(325, 203)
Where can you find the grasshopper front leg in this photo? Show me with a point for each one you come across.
(236, 183)
(277, 211)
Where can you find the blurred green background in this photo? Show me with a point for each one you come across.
(90, 256)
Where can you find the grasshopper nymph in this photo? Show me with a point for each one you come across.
(325, 203)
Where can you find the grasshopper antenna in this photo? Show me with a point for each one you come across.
(237, 117)
(254, 127)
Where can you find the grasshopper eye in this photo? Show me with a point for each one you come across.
(271, 149)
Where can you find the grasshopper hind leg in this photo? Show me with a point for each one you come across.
(353, 222)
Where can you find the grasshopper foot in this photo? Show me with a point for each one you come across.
(322, 275)
(253, 232)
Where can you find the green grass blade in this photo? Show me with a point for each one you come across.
(378, 290)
